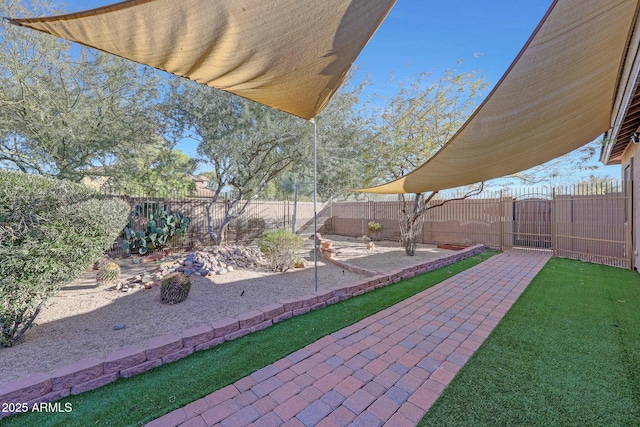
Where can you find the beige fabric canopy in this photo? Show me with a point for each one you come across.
(557, 96)
(291, 55)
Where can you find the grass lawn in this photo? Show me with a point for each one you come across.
(566, 354)
(134, 401)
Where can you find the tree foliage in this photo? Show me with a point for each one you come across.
(158, 172)
(342, 133)
(245, 144)
(418, 120)
(50, 231)
(410, 128)
(66, 110)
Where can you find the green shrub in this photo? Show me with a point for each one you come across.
(50, 232)
(375, 230)
(280, 247)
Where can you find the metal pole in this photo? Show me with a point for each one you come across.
(315, 210)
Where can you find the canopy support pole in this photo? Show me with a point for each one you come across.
(315, 210)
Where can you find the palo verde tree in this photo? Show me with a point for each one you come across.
(409, 129)
(246, 145)
(67, 111)
(341, 138)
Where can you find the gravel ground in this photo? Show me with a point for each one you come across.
(78, 322)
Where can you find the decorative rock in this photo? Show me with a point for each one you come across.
(152, 257)
(119, 326)
(204, 262)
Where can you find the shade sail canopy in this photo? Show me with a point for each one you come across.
(557, 96)
(291, 55)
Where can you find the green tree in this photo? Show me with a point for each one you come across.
(410, 128)
(159, 171)
(341, 136)
(245, 145)
(68, 111)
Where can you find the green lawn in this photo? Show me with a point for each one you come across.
(566, 354)
(134, 401)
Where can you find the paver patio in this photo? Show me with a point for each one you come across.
(387, 369)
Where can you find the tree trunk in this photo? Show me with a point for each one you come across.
(295, 207)
(210, 229)
(411, 222)
(411, 215)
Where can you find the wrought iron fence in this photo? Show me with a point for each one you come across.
(587, 222)
(244, 227)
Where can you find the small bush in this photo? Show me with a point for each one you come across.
(280, 247)
(375, 230)
(50, 232)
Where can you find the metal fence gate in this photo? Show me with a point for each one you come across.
(585, 222)
(532, 222)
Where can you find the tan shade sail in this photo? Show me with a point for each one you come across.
(291, 55)
(557, 96)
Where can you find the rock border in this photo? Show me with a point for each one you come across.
(92, 373)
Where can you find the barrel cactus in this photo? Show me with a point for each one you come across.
(175, 288)
(109, 272)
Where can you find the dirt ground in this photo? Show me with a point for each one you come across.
(78, 322)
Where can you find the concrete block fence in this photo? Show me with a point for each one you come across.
(92, 373)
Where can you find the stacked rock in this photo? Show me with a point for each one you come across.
(216, 260)
(213, 260)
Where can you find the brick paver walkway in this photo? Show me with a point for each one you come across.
(387, 369)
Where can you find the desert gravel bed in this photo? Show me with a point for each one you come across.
(78, 322)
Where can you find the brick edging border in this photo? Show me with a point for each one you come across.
(92, 373)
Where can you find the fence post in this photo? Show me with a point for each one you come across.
(629, 224)
(501, 218)
(554, 230)
(362, 217)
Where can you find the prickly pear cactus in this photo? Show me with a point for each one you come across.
(175, 288)
(109, 272)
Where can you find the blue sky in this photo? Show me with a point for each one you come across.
(431, 36)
